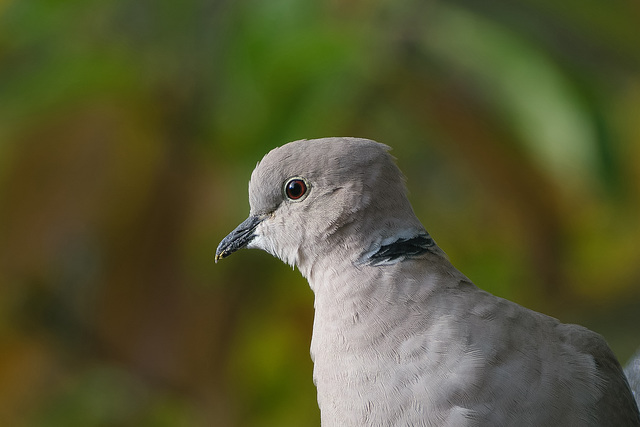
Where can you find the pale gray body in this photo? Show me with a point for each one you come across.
(405, 338)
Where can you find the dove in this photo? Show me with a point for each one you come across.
(400, 336)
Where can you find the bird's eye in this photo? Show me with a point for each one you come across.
(295, 188)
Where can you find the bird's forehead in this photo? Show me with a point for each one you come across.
(318, 157)
(321, 161)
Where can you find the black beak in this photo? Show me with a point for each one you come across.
(238, 238)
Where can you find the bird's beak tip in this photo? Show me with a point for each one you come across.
(238, 238)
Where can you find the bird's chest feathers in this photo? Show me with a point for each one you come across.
(381, 356)
(361, 341)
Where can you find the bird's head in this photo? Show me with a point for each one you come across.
(323, 197)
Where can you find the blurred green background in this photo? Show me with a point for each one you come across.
(128, 131)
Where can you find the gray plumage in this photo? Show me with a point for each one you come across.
(401, 337)
(632, 371)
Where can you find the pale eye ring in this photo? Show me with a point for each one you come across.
(296, 188)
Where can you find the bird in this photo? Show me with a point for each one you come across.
(400, 336)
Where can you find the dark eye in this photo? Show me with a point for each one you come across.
(295, 188)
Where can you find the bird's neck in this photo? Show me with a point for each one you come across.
(342, 248)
